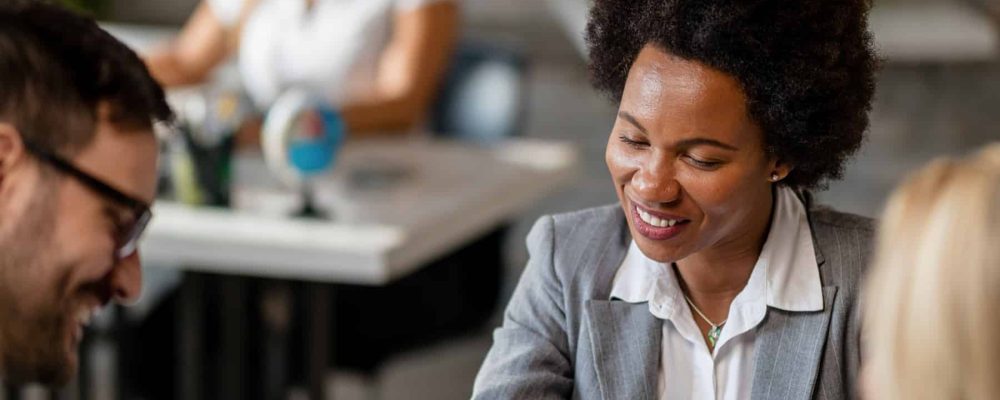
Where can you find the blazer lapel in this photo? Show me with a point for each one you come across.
(807, 200)
(789, 349)
(625, 340)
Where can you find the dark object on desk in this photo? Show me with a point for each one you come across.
(378, 175)
(213, 168)
(201, 156)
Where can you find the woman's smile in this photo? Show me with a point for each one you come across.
(656, 225)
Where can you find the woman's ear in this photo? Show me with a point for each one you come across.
(779, 170)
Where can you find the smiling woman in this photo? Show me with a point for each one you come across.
(716, 276)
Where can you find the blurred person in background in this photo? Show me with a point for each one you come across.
(378, 62)
(77, 177)
(717, 276)
(931, 303)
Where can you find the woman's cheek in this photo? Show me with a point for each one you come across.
(622, 163)
(724, 192)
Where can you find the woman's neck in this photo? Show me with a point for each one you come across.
(717, 273)
(720, 272)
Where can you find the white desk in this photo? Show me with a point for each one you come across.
(449, 194)
(446, 195)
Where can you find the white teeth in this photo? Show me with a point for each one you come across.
(655, 221)
(85, 315)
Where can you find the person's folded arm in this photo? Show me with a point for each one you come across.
(410, 71)
(530, 356)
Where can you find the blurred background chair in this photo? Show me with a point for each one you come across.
(483, 96)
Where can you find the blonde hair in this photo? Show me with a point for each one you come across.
(932, 314)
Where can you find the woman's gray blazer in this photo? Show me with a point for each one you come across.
(562, 337)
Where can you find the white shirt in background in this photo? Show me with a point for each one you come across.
(786, 277)
(332, 49)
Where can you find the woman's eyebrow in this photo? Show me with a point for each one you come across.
(686, 143)
(632, 120)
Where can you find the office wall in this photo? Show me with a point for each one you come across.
(152, 11)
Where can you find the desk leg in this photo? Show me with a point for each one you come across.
(319, 333)
(233, 345)
(189, 333)
(275, 315)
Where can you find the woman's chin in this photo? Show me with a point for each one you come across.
(659, 251)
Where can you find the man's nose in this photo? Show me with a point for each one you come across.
(126, 279)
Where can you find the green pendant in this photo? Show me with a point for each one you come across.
(713, 335)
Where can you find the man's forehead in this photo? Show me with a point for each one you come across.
(124, 158)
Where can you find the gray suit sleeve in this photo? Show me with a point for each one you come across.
(529, 357)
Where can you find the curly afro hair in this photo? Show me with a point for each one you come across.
(806, 67)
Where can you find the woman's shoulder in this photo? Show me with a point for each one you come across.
(831, 218)
(602, 224)
(583, 248)
(598, 216)
(845, 241)
(824, 217)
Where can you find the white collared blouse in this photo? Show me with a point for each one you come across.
(786, 276)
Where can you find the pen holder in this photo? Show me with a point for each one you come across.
(201, 156)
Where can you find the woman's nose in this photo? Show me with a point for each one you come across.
(656, 182)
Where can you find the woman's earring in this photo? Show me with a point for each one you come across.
(774, 177)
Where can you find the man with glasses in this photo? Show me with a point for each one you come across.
(77, 177)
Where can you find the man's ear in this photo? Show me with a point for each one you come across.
(11, 151)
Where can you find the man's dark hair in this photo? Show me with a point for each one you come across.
(57, 67)
(806, 67)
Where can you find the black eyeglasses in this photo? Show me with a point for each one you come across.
(127, 239)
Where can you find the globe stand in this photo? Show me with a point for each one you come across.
(309, 208)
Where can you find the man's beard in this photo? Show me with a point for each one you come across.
(32, 341)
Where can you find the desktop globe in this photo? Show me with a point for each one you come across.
(301, 137)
